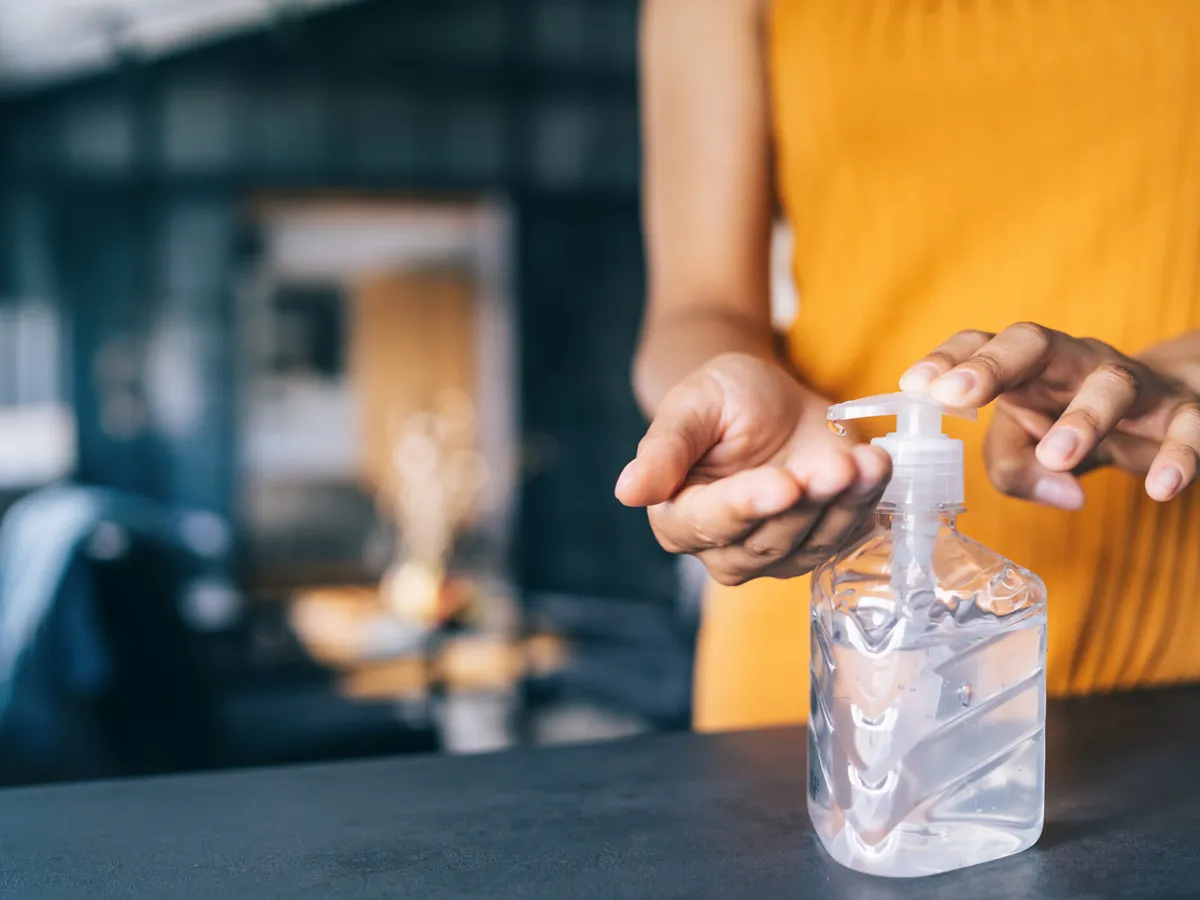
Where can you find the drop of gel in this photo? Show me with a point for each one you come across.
(837, 428)
(964, 695)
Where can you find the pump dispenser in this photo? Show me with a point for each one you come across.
(928, 688)
(927, 466)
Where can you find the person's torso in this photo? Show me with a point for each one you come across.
(953, 164)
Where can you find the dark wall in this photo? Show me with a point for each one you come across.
(581, 265)
(135, 181)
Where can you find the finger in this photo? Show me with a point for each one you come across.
(1104, 398)
(1016, 355)
(1125, 451)
(821, 526)
(1176, 464)
(943, 359)
(824, 469)
(850, 516)
(705, 516)
(801, 538)
(686, 425)
(771, 542)
(1013, 467)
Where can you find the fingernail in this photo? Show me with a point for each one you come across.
(1164, 483)
(1058, 492)
(1060, 445)
(953, 387)
(919, 377)
(627, 476)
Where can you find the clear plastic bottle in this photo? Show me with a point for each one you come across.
(928, 706)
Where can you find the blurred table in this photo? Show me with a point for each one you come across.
(381, 656)
(670, 816)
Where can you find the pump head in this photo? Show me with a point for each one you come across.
(927, 465)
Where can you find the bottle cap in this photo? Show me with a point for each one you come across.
(927, 465)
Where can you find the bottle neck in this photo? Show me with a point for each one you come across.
(917, 520)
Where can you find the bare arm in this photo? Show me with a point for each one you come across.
(737, 466)
(707, 189)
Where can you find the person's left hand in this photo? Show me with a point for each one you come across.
(1066, 405)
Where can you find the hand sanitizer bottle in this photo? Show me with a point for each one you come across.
(925, 738)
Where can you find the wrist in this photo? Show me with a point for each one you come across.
(677, 345)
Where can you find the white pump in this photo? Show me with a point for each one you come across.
(927, 481)
(927, 466)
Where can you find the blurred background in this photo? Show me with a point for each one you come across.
(316, 319)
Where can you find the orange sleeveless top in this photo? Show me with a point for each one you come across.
(951, 164)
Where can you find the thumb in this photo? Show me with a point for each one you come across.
(686, 426)
(1012, 466)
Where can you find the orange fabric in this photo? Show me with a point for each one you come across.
(951, 165)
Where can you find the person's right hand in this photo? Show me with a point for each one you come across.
(740, 468)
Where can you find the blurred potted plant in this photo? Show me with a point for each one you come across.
(430, 494)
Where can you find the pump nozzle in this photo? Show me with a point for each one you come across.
(927, 466)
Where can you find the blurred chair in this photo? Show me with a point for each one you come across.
(102, 675)
(91, 687)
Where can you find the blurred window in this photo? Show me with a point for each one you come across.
(37, 425)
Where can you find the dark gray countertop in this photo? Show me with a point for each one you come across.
(661, 817)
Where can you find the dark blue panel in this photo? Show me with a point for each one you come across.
(581, 282)
(146, 281)
(102, 264)
(190, 353)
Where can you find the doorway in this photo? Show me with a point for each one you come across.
(353, 313)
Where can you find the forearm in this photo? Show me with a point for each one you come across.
(1177, 358)
(707, 188)
(674, 344)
